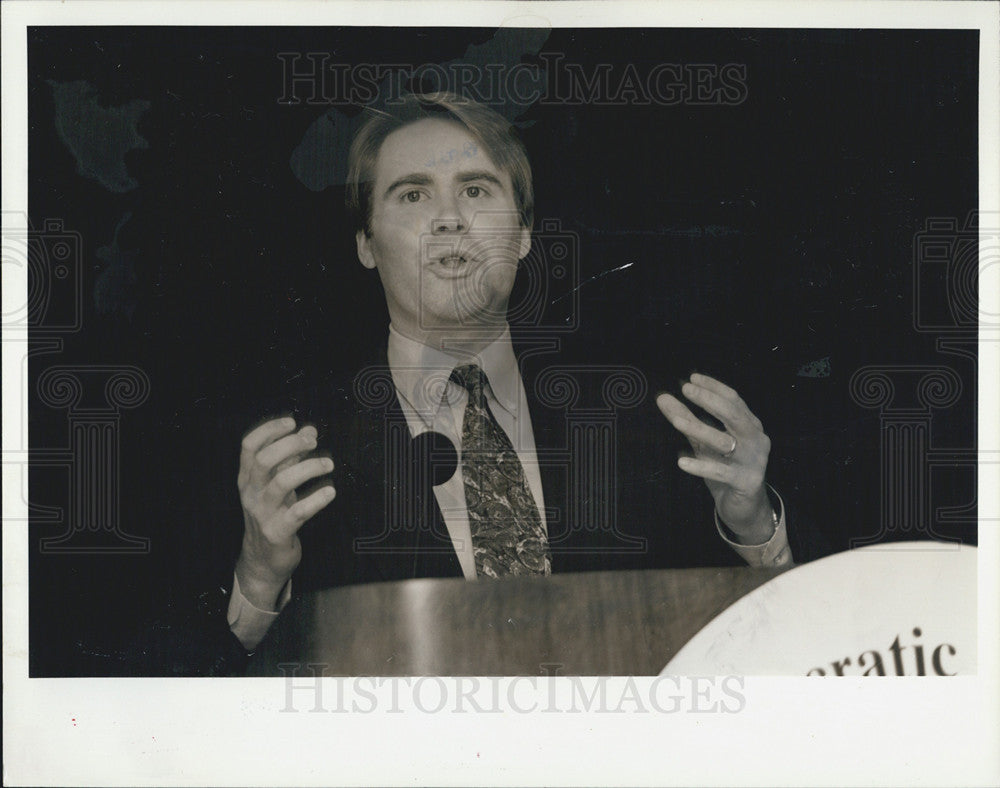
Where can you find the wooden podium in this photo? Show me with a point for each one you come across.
(594, 623)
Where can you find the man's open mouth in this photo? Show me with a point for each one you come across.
(452, 266)
(452, 261)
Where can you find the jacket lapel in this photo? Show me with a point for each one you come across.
(398, 529)
(407, 536)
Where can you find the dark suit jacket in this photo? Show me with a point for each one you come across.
(614, 498)
(613, 494)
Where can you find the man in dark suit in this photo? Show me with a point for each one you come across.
(457, 455)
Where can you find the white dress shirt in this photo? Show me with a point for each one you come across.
(431, 401)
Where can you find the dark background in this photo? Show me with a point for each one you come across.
(764, 236)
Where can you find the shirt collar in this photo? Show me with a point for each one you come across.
(421, 372)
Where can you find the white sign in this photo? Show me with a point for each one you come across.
(900, 609)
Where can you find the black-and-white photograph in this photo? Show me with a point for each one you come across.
(599, 358)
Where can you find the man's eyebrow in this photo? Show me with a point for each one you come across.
(478, 175)
(413, 179)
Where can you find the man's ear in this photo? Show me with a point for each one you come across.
(525, 245)
(365, 249)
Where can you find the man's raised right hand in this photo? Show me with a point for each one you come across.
(271, 467)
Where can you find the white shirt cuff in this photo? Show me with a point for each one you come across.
(774, 552)
(250, 623)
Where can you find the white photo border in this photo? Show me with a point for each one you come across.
(791, 731)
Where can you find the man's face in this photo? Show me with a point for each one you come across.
(445, 234)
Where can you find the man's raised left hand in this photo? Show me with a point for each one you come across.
(732, 461)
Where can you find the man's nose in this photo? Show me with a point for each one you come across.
(449, 220)
(448, 224)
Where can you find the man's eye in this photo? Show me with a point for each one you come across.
(411, 196)
(474, 191)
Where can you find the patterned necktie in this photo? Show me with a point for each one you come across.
(507, 533)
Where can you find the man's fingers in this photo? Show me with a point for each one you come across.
(308, 506)
(733, 414)
(261, 436)
(672, 408)
(707, 469)
(740, 410)
(301, 441)
(710, 469)
(288, 462)
(268, 458)
(742, 479)
(712, 384)
(287, 480)
(698, 433)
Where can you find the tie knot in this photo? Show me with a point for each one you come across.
(472, 378)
